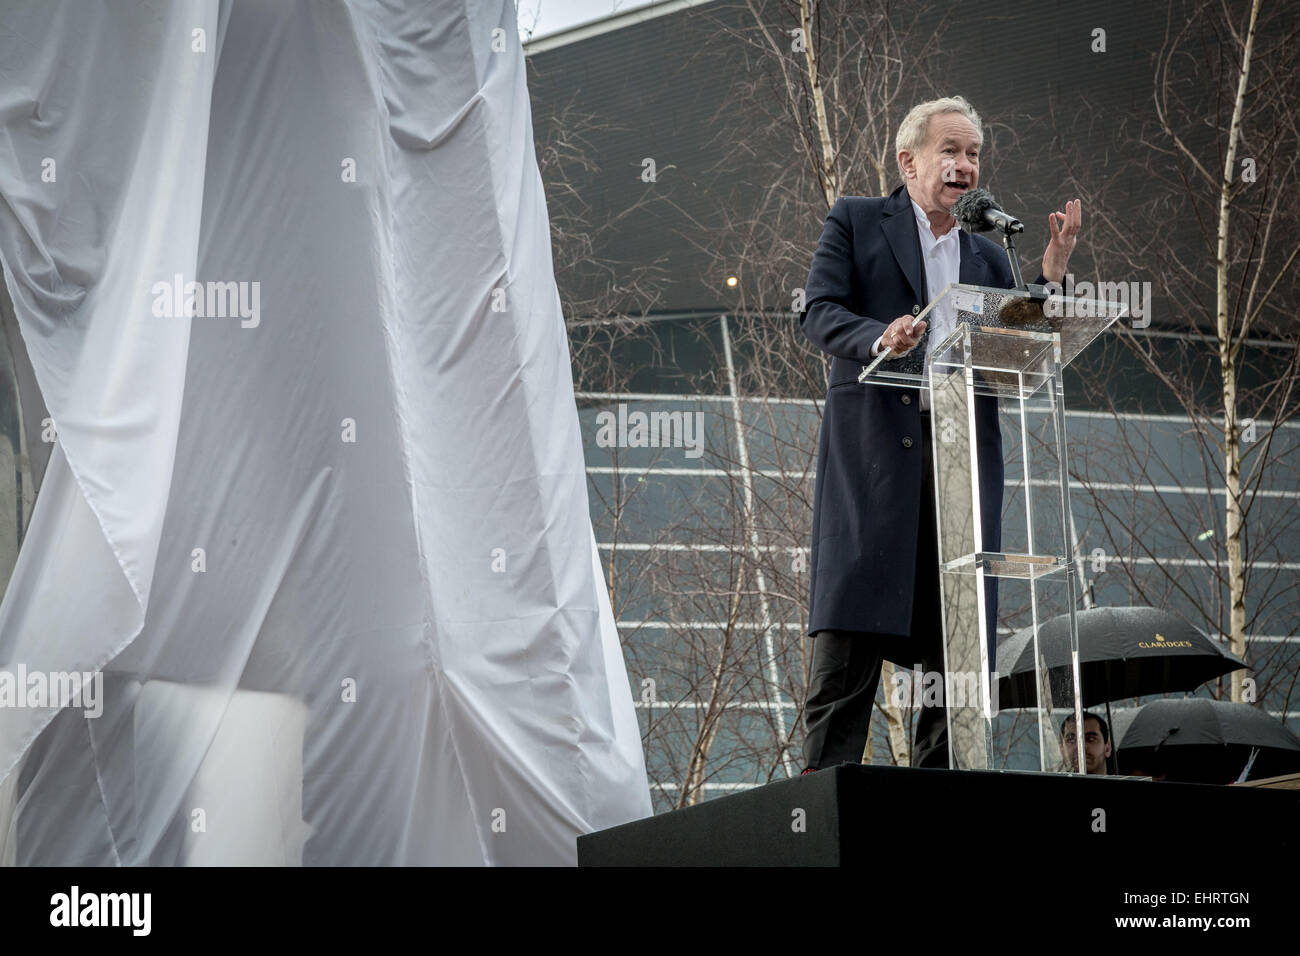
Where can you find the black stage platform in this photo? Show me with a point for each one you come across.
(926, 821)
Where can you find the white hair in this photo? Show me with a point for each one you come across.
(915, 128)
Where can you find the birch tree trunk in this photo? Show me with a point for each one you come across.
(1228, 366)
(829, 179)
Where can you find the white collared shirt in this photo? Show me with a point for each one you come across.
(942, 258)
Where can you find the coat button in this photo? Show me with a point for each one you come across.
(907, 399)
(916, 310)
(907, 442)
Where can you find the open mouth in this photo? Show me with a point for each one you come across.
(959, 185)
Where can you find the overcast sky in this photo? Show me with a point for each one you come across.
(540, 17)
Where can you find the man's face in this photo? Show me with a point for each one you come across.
(1095, 750)
(946, 166)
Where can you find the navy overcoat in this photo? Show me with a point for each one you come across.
(865, 273)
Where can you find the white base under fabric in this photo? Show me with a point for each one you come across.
(8, 799)
(244, 805)
(368, 499)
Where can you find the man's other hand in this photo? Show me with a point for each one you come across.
(900, 338)
(1064, 227)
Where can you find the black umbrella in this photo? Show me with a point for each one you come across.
(1123, 652)
(1201, 740)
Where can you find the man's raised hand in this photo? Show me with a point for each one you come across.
(1064, 227)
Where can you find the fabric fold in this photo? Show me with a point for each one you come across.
(317, 515)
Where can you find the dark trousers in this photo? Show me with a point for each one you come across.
(846, 664)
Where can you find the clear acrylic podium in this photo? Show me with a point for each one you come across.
(1009, 348)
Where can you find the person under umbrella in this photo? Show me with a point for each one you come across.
(1096, 744)
(1123, 652)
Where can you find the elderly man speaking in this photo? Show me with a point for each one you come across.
(874, 591)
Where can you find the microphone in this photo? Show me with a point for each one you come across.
(977, 211)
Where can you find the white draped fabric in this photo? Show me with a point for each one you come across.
(326, 540)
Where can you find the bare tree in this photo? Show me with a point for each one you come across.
(604, 300)
(825, 83)
(1202, 207)
(708, 570)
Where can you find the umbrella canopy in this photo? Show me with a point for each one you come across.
(1200, 740)
(1123, 652)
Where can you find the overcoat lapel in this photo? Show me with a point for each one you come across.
(899, 227)
(972, 270)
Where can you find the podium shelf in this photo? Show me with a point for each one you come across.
(1003, 564)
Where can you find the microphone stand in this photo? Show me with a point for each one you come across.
(1010, 245)
(1037, 293)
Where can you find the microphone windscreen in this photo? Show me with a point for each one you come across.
(970, 207)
